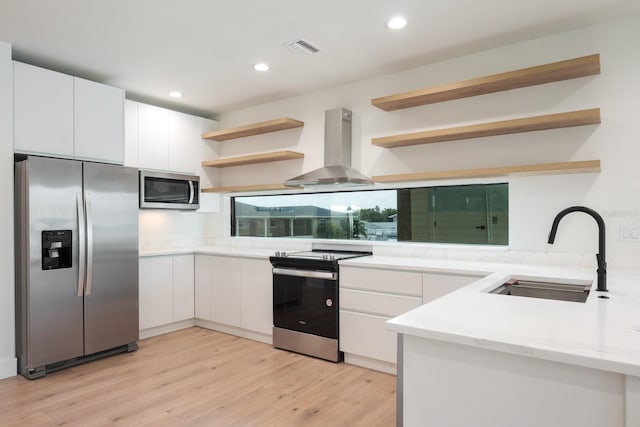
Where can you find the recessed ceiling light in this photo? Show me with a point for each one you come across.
(396, 23)
(261, 66)
(175, 94)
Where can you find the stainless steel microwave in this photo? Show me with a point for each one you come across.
(169, 191)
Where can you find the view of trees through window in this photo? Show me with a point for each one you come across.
(476, 214)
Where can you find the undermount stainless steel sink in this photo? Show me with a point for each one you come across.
(545, 290)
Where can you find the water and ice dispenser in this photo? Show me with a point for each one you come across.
(56, 249)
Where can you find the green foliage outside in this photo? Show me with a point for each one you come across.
(377, 215)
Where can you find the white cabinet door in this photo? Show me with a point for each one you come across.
(156, 291)
(435, 285)
(184, 142)
(226, 285)
(131, 133)
(98, 121)
(367, 335)
(202, 281)
(153, 137)
(183, 287)
(43, 111)
(257, 295)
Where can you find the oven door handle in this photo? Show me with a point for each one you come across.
(329, 275)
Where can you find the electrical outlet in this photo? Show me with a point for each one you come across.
(630, 233)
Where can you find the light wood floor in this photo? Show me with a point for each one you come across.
(197, 377)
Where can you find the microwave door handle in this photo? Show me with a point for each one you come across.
(191, 192)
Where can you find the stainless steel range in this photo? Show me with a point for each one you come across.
(305, 301)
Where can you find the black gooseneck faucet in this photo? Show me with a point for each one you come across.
(600, 256)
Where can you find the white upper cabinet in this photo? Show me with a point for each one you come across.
(161, 139)
(153, 137)
(131, 133)
(184, 140)
(64, 116)
(99, 121)
(43, 111)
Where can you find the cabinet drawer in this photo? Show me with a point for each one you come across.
(400, 282)
(377, 303)
(367, 335)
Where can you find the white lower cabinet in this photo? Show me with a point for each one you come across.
(234, 291)
(366, 335)
(368, 298)
(155, 291)
(257, 296)
(183, 284)
(166, 292)
(202, 285)
(225, 290)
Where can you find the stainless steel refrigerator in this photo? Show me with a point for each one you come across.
(76, 262)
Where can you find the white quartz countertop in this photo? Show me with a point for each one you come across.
(209, 250)
(600, 333)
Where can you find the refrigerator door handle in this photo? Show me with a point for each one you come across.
(87, 209)
(81, 243)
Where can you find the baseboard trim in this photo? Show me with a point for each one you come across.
(165, 329)
(8, 367)
(366, 362)
(234, 330)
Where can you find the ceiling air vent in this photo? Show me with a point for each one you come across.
(302, 47)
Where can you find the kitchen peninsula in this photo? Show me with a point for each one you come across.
(482, 359)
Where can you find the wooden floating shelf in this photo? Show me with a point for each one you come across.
(527, 124)
(553, 72)
(588, 166)
(247, 188)
(254, 129)
(273, 156)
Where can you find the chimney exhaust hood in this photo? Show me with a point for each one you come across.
(337, 155)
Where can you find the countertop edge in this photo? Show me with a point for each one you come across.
(536, 352)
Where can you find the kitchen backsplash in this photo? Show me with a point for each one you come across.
(166, 229)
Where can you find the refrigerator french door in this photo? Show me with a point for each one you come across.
(76, 262)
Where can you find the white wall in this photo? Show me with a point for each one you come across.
(170, 229)
(615, 192)
(7, 301)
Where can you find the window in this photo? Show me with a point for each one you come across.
(471, 214)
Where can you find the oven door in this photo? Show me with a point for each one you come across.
(306, 301)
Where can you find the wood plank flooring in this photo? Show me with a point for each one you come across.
(198, 377)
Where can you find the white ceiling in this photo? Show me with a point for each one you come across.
(206, 48)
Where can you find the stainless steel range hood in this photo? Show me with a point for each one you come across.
(337, 155)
